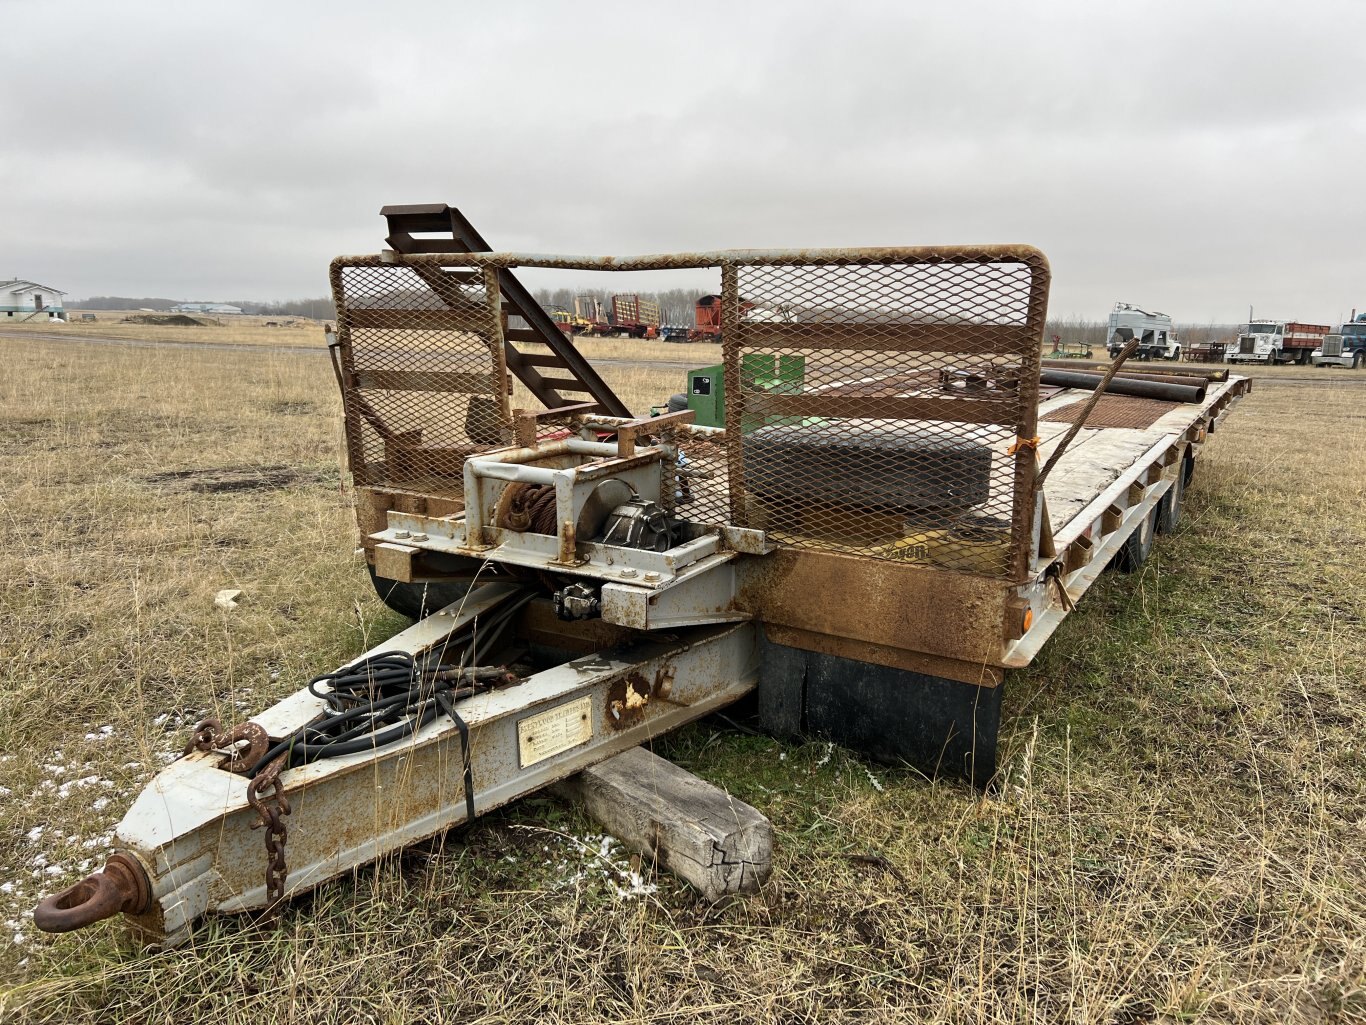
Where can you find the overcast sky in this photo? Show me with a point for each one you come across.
(1194, 158)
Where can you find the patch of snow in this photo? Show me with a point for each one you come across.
(64, 791)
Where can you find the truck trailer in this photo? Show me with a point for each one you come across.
(635, 317)
(896, 512)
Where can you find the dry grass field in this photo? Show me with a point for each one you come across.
(301, 331)
(232, 330)
(1179, 833)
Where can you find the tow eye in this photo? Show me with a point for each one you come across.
(120, 886)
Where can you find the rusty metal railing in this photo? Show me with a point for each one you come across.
(880, 402)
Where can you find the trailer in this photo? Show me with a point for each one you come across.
(1206, 352)
(590, 315)
(706, 319)
(635, 317)
(898, 510)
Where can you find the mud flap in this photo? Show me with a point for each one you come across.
(942, 727)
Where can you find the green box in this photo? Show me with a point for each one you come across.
(760, 372)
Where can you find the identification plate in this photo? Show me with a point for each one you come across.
(556, 729)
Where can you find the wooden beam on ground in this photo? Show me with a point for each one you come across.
(697, 831)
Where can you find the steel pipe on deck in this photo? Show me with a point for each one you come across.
(1124, 385)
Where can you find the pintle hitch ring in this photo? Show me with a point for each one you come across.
(121, 885)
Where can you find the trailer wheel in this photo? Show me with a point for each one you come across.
(1187, 469)
(416, 601)
(1138, 546)
(1356, 360)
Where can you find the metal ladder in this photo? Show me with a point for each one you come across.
(558, 378)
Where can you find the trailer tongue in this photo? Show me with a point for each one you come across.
(865, 543)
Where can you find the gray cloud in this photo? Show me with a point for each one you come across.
(1193, 157)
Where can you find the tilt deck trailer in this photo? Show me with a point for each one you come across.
(867, 545)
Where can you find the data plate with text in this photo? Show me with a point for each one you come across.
(557, 729)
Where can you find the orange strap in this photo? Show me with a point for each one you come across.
(1032, 444)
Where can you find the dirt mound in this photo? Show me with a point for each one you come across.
(169, 320)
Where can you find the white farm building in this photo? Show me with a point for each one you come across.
(28, 300)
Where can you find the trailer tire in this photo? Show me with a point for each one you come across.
(1138, 545)
(1187, 469)
(1356, 360)
(416, 601)
(1169, 509)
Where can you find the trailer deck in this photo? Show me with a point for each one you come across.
(1106, 481)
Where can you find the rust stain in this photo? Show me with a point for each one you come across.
(627, 699)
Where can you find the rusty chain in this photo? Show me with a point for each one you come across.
(209, 736)
(247, 743)
(267, 797)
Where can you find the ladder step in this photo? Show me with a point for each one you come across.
(565, 384)
(523, 334)
(427, 245)
(542, 359)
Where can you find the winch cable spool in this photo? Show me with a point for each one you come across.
(528, 507)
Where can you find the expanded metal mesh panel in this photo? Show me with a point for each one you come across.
(423, 374)
(1114, 411)
(874, 408)
(701, 492)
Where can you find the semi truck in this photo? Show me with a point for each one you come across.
(1157, 338)
(1345, 347)
(1276, 341)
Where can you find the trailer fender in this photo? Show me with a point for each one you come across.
(942, 727)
